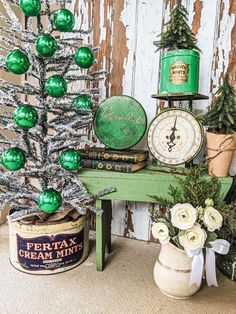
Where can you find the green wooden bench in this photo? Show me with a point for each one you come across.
(129, 187)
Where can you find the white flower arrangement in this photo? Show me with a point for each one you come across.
(187, 227)
(192, 229)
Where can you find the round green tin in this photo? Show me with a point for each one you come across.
(120, 122)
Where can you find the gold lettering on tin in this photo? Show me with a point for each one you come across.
(179, 72)
(108, 114)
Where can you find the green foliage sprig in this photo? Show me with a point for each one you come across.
(178, 34)
(194, 188)
(222, 117)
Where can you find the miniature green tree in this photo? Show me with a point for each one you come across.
(222, 117)
(178, 34)
(51, 121)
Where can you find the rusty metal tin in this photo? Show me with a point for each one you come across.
(48, 248)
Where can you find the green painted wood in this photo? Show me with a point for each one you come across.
(107, 207)
(100, 238)
(130, 187)
(120, 122)
(135, 186)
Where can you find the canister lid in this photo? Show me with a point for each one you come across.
(181, 52)
(120, 122)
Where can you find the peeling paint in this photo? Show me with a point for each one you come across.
(196, 24)
(231, 69)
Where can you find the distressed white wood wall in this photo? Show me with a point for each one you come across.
(125, 31)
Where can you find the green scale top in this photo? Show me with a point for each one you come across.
(120, 122)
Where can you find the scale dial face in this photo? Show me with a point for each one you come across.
(175, 136)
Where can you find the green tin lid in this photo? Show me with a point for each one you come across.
(120, 122)
(181, 52)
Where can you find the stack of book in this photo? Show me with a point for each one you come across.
(121, 161)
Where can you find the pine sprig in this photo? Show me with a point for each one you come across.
(178, 34)
(222, 117)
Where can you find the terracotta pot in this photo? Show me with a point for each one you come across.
(49, 248)
(220, 150)
(172, 273)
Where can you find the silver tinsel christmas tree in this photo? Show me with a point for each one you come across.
(49, 119)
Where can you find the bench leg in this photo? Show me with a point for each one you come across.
(100, 237)
(107, 207)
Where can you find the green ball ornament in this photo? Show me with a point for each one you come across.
(56, 86)
(13, 158)
(30, 7)
(25, 116)
(83, 104)
(17, 62)
(84, 57)
(49, 201)
(64, 20)
(70, 160)
(46, 45)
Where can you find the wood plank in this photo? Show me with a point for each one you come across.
(144, 84)
(223, 49)
(135, 186)
(202, 17)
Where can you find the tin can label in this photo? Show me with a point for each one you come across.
(179, 72)
(50, 252)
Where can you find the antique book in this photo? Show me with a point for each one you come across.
(133, 156)
(112, 165)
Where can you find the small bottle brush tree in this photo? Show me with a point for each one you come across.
(51, 121)
(221, 119)
(180, 60)
(178, 34)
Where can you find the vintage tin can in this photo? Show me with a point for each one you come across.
(48, 248)
(120, 122)
(179, 71)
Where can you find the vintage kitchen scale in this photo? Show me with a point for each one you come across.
(175, 136)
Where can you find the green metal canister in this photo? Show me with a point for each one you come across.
(179, 71)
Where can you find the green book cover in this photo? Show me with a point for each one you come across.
(130, 156)
(112, 165)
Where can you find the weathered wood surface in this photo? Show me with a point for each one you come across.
(125, 31)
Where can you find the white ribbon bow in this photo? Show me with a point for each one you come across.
(219, 246)
(197, 267)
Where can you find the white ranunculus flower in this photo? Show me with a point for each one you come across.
(212, 219)
(193, 238)
(183, 216)
(160, 231)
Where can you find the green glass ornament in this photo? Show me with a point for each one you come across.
(64, 20)
(17, 62)
(30, 7)
(49, 201)
(84, 57)
(70, 160)
(13, 158)
(56, 86)
(25, 116)
(46, 45)
(83, 104)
